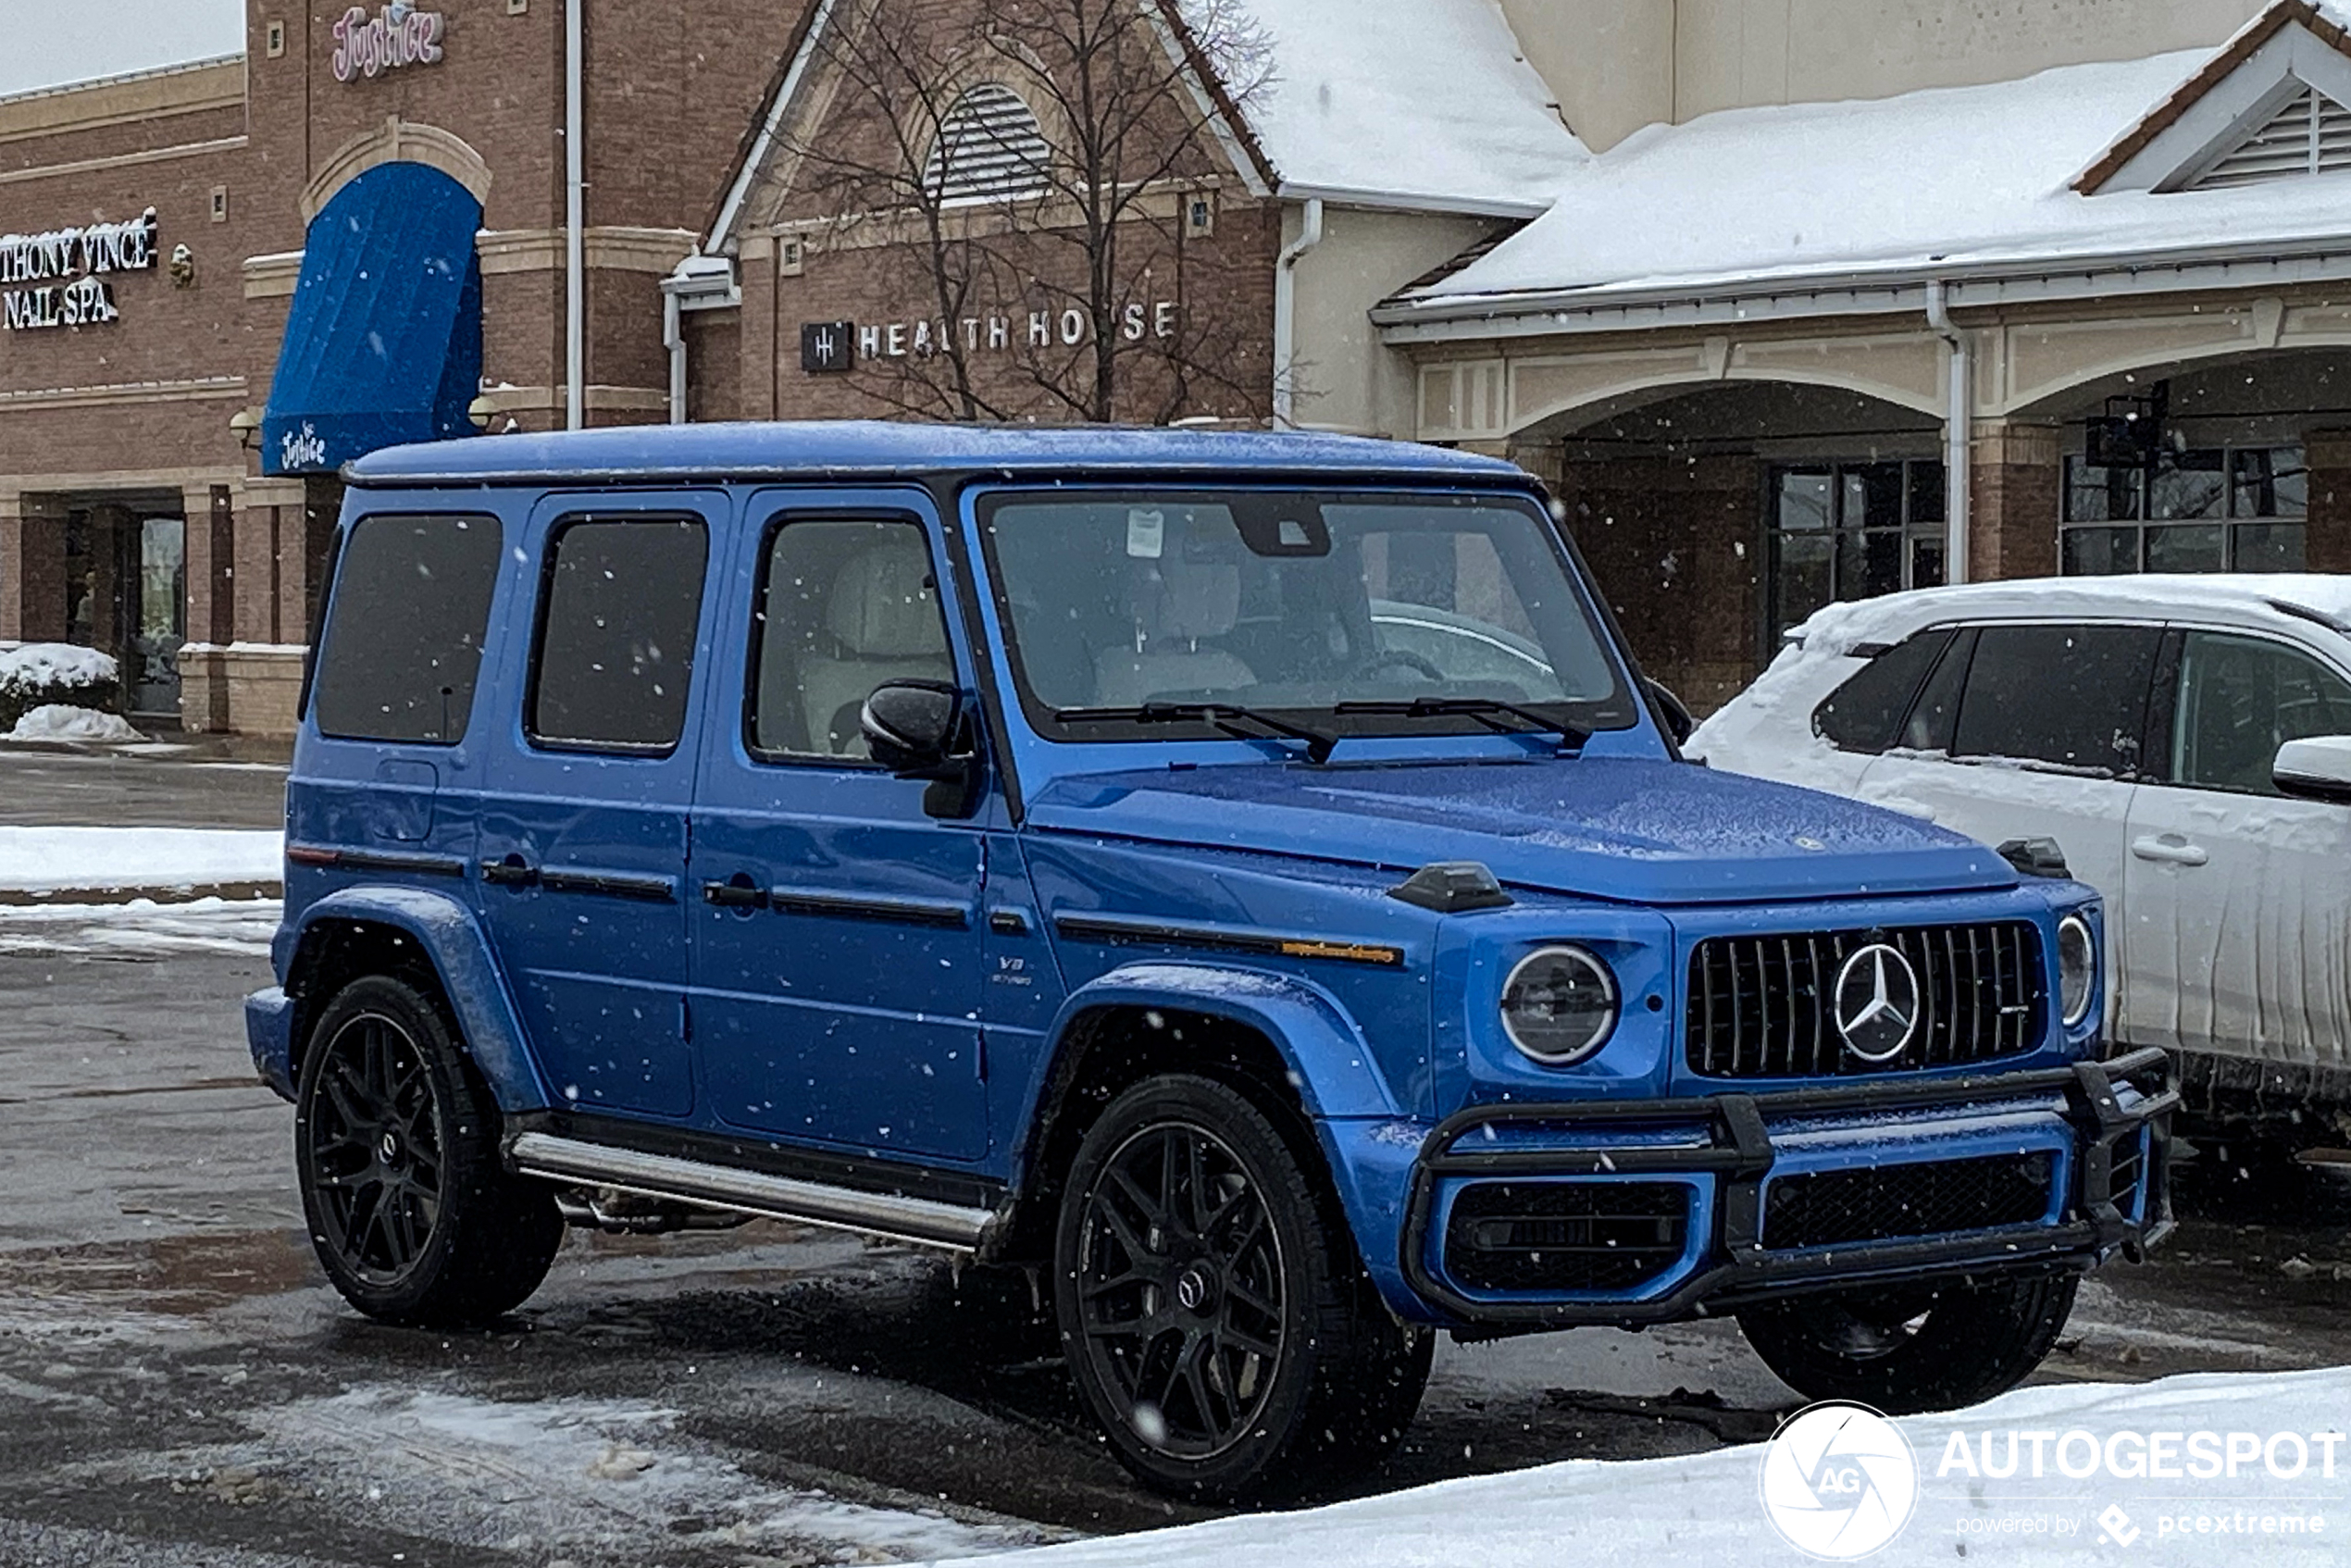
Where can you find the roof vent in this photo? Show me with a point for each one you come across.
(989, 147)
(2310, 135)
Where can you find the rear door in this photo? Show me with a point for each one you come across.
(2239, 936)
(838, 928)
(2034, 730)
(583, 844)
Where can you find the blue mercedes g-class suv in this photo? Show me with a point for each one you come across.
(1244, 879)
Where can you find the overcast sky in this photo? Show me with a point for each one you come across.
(49, 42)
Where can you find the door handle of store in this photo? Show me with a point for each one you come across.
(2170, 847)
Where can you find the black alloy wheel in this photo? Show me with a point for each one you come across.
(412, 1215)
(376, 1149)
(1181, 1289)
(1214, 1312)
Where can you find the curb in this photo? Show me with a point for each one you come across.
(182, 892)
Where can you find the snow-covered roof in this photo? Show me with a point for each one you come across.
(1837, 628)
(56, 46)
(1946, 178)
(1422, 103)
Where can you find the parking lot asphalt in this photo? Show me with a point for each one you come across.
(178, 1384)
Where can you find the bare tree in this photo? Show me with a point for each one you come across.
(1031, 162)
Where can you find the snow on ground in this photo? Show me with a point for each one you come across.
(241, 927)
(1414, 100)
(535, 1478)
(60, 721)
(1707, 1507)
(60, 859)
(1954, 176)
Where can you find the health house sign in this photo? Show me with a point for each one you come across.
(58, 278)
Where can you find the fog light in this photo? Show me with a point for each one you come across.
(1558, 1005)
(2077, 968)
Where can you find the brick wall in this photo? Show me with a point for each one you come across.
(2015, 496)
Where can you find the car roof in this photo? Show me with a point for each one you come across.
(870, 448)
(2306, 595)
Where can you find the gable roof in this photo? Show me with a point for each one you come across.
(1426, 104)
(2322, 22)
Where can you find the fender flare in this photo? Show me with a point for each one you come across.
(453, 943)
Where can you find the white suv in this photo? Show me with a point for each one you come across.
(2186, 742)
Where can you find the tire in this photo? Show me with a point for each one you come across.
(1904, 1350)
(1211, 1307)
(414, 1216)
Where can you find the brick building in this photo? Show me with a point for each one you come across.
(1790, 304)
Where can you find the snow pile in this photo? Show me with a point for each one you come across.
(142, 928)
(1952, 176)
(1706, 1508)
(1407, 101)
(41, 860)
(62, 721)
(35, 675)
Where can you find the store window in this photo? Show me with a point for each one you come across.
(2208, 509)
(1851, 530)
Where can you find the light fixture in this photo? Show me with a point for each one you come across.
(245, 424)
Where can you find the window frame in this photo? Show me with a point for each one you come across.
(315, 655)
(2142, 526)
(1911, 529)
(755, 643)
(535, 655)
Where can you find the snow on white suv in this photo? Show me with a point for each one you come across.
(2186, 742)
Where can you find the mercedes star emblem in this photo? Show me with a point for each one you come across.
(1877, 1002)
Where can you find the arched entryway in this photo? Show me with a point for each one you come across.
(1716, 516)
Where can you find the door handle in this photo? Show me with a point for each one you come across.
(512, 872)
(738, 894)
(2170, 848)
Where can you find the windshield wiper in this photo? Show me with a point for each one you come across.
(1229, 717)
(1488, 711)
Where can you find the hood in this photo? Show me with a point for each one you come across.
(1632, 830)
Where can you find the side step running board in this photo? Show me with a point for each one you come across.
(750, 1192)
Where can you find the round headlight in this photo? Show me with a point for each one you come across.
(1558, 1005)
(2077, 968)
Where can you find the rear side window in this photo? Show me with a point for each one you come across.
(1866, 713)
(2070, 697)
(402, 644)
(616, 625)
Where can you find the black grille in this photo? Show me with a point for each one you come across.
(1566, 1235)
(1761, 1007)
(1833, 1208)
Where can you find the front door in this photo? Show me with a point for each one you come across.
(582, 841)
(159, 617)
(2237, 938)
(838, 987)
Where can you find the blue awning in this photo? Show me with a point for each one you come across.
(383, 344)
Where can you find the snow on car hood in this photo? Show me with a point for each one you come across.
(1640, 831)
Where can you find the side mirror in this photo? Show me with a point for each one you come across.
(917, 729)
(1676, 714)
(2317, 770)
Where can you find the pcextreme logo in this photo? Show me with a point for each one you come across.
(1839, 1481)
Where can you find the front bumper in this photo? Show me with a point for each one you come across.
(2104, 1127)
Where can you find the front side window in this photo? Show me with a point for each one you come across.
(1295, 604)
(402, 645)
(2241, 698)
(845, 605)
(2071, 698)
(617, 618)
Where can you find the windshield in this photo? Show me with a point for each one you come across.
(1303, 604)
